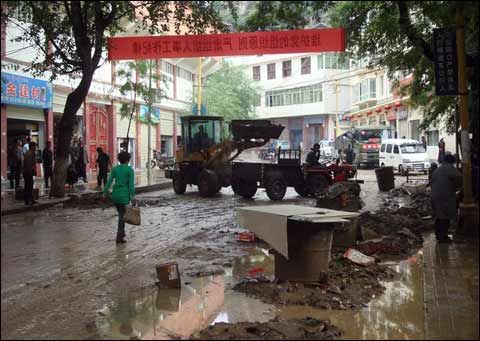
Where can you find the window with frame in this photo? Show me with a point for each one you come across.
(302, 95)
(306, 65)
(287, 68)
(270, 71)
(396, 150)
(256, 73)
(382, 149)
(389, 148)
(333, 61)
(167, 67)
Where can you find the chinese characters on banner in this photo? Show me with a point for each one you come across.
(231, 44)
(27, 92)
(446, 68)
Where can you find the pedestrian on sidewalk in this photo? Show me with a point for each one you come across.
(26, 144)
(82, 161)
(47, 161)
(103, 164)
(441, 150)
(29, 163)
(123, 190)
(445, 180)
(15, 160)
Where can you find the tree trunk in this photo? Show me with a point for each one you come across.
(65, 132)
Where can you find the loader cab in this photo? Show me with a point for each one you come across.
(201, 132)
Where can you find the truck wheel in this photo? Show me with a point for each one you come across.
(207, 183)
(301, 191)
(317, 184)
(244, 188)
(179, 184)
(276, 187)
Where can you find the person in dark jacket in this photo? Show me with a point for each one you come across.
(313, 156)
(29, 163)
(103, 164)
(47, 161)
(441, 150)
(445, 180)
(349, 155)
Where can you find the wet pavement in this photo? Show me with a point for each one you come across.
(64, 277)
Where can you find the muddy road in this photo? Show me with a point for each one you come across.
(61, 266)
(64, 277)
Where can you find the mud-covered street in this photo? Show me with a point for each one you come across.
(64, 277)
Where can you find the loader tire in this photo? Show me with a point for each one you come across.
(179, 184)
(207, 183)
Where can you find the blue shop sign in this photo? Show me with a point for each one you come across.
(26, 92)
(144, 114)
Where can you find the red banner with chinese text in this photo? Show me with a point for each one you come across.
(230, 44)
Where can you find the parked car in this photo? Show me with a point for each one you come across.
(404, 155)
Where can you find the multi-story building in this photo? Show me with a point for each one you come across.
(376, 102)
(299, 91)
(98, 120)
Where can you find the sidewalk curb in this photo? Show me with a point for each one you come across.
(42, 206)
(38, 207)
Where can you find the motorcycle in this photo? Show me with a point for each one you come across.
(159, 160)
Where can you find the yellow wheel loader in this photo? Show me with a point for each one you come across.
(204, 157)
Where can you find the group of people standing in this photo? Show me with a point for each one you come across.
(22, 160)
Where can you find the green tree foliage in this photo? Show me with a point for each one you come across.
(77, 32)
(230, 93)
(396, 35)
(136, 82)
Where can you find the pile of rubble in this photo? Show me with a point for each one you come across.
(345, 286)
(294, 329)
(87, 201)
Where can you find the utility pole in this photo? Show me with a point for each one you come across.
(336, 109)
(149, 116)
(199, 100)
(468, 209)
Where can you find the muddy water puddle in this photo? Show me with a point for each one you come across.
(180, 313)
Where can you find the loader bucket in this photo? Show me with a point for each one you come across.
(244, 130)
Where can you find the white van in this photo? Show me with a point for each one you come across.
(404, 155)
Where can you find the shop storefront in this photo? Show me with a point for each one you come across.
(26, 111)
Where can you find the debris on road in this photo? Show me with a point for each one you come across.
(345, 286)
(358, 258)
(245, 237)
(295, 329)
(168, 276)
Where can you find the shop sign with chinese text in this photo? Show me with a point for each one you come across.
(26, 92)
(229, 44)
(446, 67)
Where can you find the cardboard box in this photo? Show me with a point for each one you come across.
(168, 276)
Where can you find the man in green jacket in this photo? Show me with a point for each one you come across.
(123, 190)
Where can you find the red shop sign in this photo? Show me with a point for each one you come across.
(229, 44)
